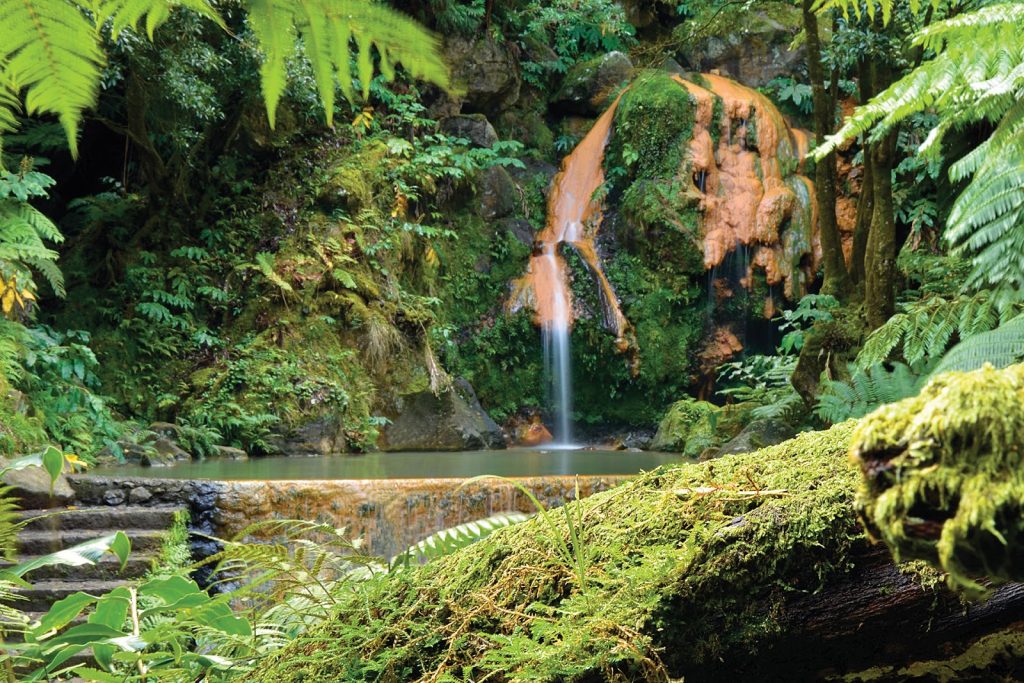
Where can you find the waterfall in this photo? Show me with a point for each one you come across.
(572, 218)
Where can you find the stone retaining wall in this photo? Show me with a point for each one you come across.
(388, 514)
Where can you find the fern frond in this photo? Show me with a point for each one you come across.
(1000, 347)
(51, 51)
(975, 75)
(124, 14)
(327, 29)
(926, 327)
(447, 541)
(866, 390)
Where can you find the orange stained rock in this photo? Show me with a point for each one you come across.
(533, 433)
(719, 348)
(573, 217)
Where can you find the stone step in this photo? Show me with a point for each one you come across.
(43, 541)
(42, 594)
(101, 519)
(108, 567)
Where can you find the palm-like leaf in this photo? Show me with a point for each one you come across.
(327, 28)
(1001, 347)
(49, 49)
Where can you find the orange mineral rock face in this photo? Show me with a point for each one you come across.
(745, 164)
(573, 217)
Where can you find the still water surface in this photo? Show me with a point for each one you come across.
(514, 462)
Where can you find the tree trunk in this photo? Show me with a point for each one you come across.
(880, 253)
(866, 201)
(874, 616)
(836, 275)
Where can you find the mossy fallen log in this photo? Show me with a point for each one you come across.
(717, 582)
(944, 476)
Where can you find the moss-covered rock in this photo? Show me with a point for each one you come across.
(588, 85)
(689, 427)
(944, 475)
(682, 568)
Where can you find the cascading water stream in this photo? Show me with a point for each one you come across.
(572, 218)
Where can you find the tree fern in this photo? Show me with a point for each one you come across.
(50, 49)
(866, 390)
(23, 230)
(975, 76)
(925, 328)
(1000, 347)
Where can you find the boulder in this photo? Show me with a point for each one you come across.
(31, 486)
(322, 436)
(451, 421)
(687, 428)
(520, 229)
(497, 193)
(588, 86)
(756, 435)
(162, 452)
(474, 127)
(228, 453)
(486, 71)
(754, 53)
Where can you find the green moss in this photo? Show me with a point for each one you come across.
(653, 123)
(689, 427)
(676, 582)
(944, 476)
(280, 380)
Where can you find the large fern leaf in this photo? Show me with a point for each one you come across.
(870, 7)
(925, 328)
(50, 50)
(866, 390)
(124, 14)
(23, 229)
(328, 28)
(1001, 347)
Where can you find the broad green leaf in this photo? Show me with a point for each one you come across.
(82, 554)
(63, 612)
(91, 674)
(111, 610)
(220, 617)
(53, 462)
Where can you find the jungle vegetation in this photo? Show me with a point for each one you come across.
(247, 217)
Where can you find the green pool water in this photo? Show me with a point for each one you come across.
(424, 465)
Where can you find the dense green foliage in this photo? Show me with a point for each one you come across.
(269, 225)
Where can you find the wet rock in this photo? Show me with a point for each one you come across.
(533, 433)
(228, 453)
(757, 434)
(486, 70)
(529, 127)
(519, 228)
(162, 452)
(588, 86)
(113, 497)
(139, 495)
(498, 193)
(638, 440)
(322, 436)
(753, 54)
(167, 430)
(687, 428)
(31, 486)
(451, 421)
(474, 127)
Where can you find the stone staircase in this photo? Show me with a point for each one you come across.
(50, 530)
